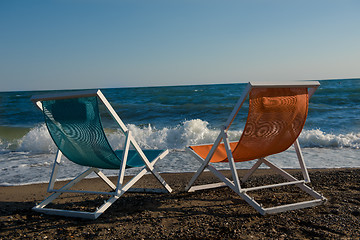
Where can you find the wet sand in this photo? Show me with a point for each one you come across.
(209, 214)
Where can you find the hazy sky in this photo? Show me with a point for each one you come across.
(68, 44)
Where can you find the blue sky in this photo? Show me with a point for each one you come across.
(71, 44)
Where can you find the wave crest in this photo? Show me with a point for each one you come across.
(190, 132)
(37, 140)
(318, 138)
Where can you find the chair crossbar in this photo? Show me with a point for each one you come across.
(293, 206)
(105, 179)
(147, 190)
(82, 191)
(271, 186)
(207, 186)
(67, 213)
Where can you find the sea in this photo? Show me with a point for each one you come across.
(173, 117)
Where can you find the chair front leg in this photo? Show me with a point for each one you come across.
(54, 171)
(205, 162)
(301, 161)
(150, 166)
(252, 170)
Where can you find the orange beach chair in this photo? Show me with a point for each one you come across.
(276, 117)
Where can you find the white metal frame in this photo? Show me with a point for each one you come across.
(120, 188)
(235, 183)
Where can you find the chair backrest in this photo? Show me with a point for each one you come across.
(275, 120)
(75, 126)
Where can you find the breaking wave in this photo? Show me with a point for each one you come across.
(196, 131)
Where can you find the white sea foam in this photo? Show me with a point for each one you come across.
(32, 160)
(37, 140)
(28, 157)
(318, 138)
(190, 132)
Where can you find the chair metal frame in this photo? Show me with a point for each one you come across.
(117, 190)
(235, 183)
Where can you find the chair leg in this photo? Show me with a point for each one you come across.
(318, 198)
(82, 214)
(242, 192)
(301, 161)
(57, 192)
(289, 177)
(232, 164)
(115, 195)
(157, 175)
(225, 180)
(196, 175)
(150, 165)
(252, 170)
(122, 188)
(55, 170)
(105, 179)
(204, 162)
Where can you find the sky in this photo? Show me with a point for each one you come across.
(77, 44)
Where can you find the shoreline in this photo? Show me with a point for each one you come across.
(210, 214)
(113, 177)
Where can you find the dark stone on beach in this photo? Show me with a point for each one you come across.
(212, 214)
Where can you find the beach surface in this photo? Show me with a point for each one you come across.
(211, 214)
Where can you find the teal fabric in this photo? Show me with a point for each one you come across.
(75, 126)
(134, 159)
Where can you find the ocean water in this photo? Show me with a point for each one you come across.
(173, 117)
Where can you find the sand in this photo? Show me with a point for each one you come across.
(210, 214)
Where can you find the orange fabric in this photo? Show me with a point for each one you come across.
(275, 120)
(219, 155)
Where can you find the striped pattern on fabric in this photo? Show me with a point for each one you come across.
(75, 126)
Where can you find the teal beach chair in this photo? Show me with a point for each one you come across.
(74, 123)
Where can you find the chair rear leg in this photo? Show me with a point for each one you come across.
(252, 170)
(57, 192)
(150, 168)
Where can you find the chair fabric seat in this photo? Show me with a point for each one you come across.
(219, 155)
(134, 159)
(275, 120)
(75, 126)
